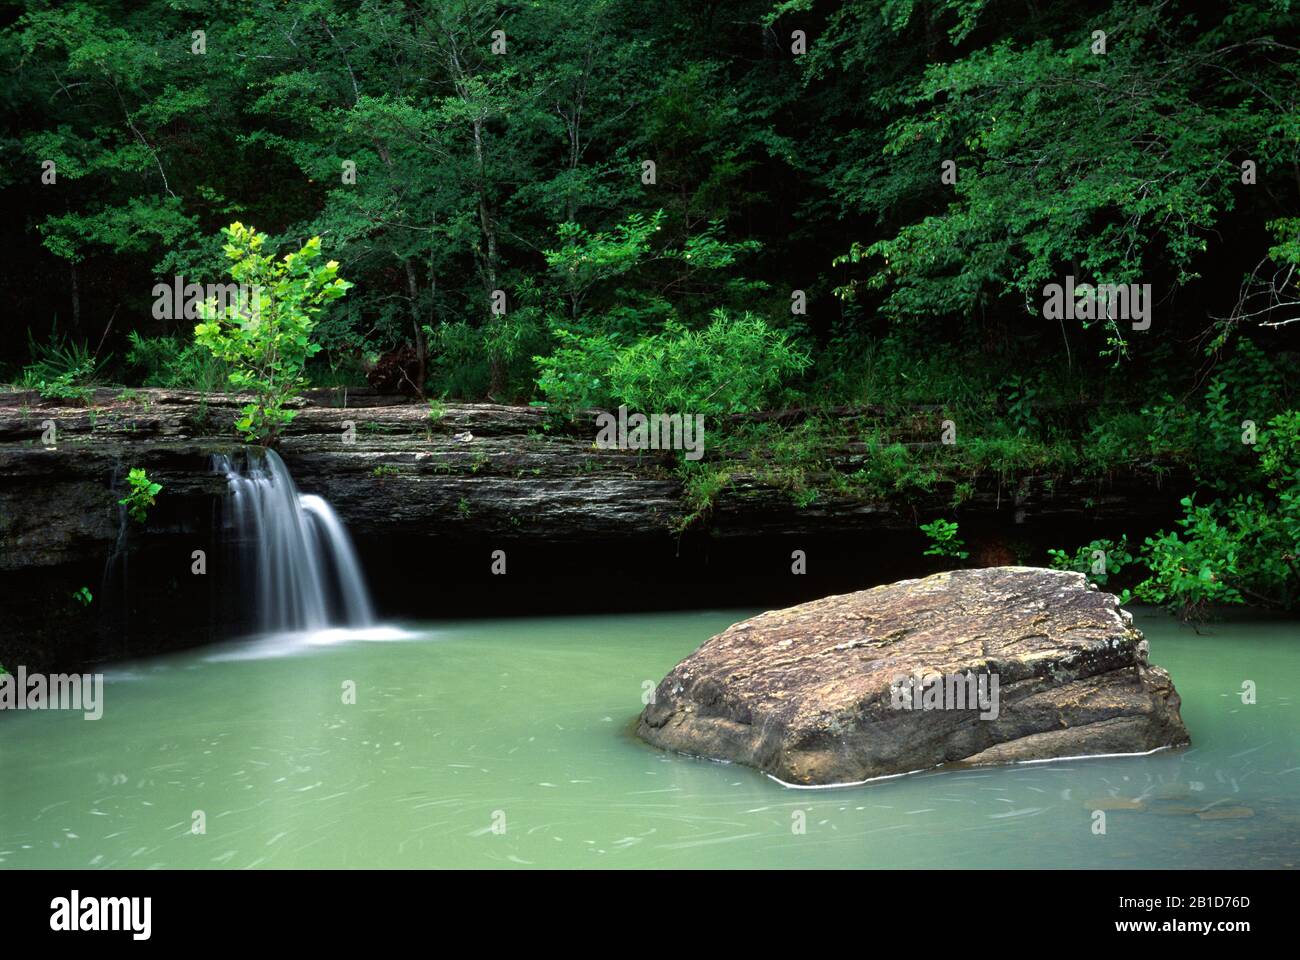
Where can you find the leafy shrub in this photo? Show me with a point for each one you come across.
(891, 468)
(735, 364)
(141, 495)
(1231, 551)
(268, 345)
(585, 258)
(66, 386)
(577, 373)
(944, 541)
(1195, 568)
(1098, 561)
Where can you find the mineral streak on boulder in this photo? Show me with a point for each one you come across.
(807, 694)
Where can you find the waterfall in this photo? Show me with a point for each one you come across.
(297, 557)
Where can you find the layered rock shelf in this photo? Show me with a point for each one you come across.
(478, 470)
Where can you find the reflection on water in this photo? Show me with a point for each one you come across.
(504, 743)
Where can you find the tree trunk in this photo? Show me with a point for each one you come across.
(497, 384)
(421, 344)
(76, 297)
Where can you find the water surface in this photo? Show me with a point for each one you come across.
(525, 725)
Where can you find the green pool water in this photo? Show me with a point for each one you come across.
(507, 743)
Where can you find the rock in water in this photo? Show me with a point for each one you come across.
(819, 693)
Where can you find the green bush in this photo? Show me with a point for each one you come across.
(1098, 561)
(1235, 551)
(733, 365)
(577, 373)
(141, 495)
(944, 541)
(268, 345)
(1194, 568)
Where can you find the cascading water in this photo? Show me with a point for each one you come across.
(302, 569)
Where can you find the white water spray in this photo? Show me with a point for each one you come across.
(304, 573)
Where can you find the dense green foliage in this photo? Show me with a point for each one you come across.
(868, 225)
(733, 365)
(1246, 548)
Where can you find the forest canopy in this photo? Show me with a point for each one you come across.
(911, 169)
(725, 206)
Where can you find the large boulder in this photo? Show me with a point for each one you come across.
(870, 684)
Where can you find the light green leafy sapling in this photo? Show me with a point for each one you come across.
(267, 338)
